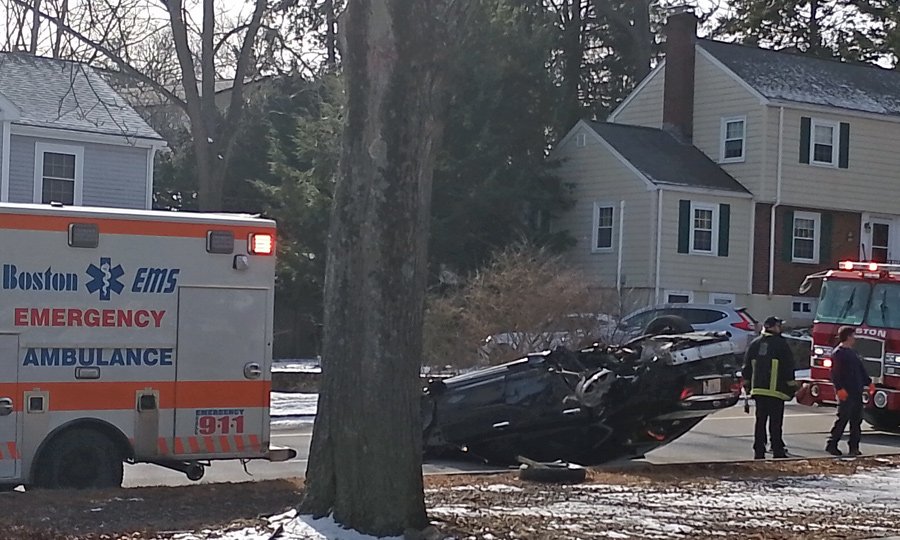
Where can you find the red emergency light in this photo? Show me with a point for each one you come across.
(261, 244)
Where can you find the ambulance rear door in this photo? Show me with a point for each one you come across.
(10, 405)
(221, 390)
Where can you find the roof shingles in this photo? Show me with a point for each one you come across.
(664, 160)
(800, 78)
(67, 95)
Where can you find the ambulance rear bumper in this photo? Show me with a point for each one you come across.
(278, 454)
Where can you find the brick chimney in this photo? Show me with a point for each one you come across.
(678, 97)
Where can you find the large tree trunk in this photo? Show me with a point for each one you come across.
(365, 464)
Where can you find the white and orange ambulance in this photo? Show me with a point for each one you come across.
(132, 336)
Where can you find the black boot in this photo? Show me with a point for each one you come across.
(832, 449)
(854, 451)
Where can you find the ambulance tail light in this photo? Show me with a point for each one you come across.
(261, 244)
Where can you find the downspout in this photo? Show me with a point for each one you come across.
(151, 159)
(659, 206)
(777, 201)
(619, 262)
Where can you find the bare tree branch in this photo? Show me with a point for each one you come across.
(124, 66)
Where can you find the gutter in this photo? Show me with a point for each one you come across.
(777, 201)
(659, 205)
(619, 262)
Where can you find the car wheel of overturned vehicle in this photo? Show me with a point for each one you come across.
(668, 324)
(591, 391)
(80, 459)
(882, 420)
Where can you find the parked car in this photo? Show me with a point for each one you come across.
(588, 406)
(737, 321)
(575, 331)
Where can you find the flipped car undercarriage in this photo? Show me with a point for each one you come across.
(589, 406)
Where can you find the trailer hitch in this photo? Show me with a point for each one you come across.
(194, 470)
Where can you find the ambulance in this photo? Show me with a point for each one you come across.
(132, 337)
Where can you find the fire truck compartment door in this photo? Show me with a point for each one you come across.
(221, 393)
(10, 404)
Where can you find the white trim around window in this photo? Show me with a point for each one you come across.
(835, 141)
(704, 214)
(803, 307)
(722, 299)
(604, 225)
(725, 138)
(689, 295)
(800, 232)
(41, 148)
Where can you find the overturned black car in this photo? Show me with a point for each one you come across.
(588, 407)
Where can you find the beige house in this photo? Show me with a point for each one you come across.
(675, 192)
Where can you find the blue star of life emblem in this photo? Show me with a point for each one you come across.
(105, 278)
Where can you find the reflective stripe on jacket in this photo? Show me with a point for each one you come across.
(769, 367)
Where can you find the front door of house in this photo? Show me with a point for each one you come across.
(881, 240)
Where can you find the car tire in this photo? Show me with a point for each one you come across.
(80, 459)
(553, 473)
(668, 324)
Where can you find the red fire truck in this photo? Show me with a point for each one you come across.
(865, 295)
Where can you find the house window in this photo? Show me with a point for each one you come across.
(721, 299)
(806, 228)
(58, 174)
(581, 140)
(603, 227)
(881, 241)
(734, 133)
(803, 308)
(824, 142)
(703, 228)
(679, 297)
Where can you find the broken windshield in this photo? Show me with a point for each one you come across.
(843, 302)
(884, 310)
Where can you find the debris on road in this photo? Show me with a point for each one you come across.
(587, 407)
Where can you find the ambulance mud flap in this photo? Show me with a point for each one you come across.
(277, 453)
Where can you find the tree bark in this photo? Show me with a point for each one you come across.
(330, 37)
(35, 27)
(574, 57)
(365, 465)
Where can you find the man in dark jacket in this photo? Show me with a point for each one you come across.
(769, 378)
(850, 381)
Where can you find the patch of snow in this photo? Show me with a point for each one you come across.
(306, 528)
(293, 528)
(297, 366)
(293, 404)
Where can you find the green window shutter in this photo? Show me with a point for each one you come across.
(684, 226)
(844, 155)
(805, 126)
(787, 238)
(724, 228)
(826, 241)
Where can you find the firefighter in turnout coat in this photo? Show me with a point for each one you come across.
(769, 378)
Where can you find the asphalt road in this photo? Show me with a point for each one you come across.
(726, 436)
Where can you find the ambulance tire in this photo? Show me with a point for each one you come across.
(80, 459)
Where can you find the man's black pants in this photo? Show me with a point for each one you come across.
(769, 411)
(850, 412)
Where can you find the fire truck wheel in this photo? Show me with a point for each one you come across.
(80, 459)
(882, 420)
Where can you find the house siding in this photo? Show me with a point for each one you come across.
(717, 95)
(844, 244)
(704, 274)
(114, 176)
(596, 175)
(646, 108)
(872, 181)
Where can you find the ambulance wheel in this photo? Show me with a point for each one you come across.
(882, 420)
(80, 459)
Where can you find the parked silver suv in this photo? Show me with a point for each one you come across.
(702, 317)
